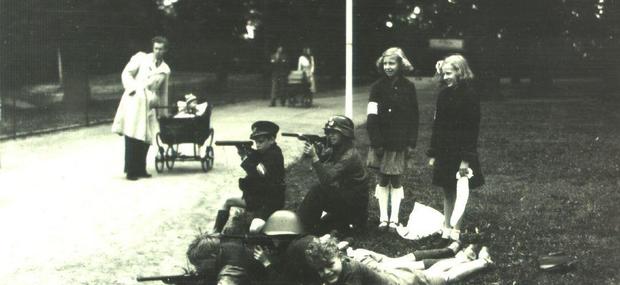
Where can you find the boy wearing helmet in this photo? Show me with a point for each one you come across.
(285, 261)
(342, 190)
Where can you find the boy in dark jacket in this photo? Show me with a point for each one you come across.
(263, 186)
(342, 190)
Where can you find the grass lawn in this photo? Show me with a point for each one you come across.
(551, 166)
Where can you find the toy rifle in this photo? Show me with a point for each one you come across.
(311, 138)
(173, 279)
(242, 146)
(238, 144)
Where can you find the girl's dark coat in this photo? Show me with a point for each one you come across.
(395, 127)
(455, 136)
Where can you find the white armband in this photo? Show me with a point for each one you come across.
(262, 171)
(373, 108)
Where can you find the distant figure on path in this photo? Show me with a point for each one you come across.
(279, 71)
(145, 79)
(306, 64)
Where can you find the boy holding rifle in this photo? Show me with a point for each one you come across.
(342, 191)
(263, 186)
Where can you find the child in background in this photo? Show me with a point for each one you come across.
(393, 131)
(454, 141)
(305, 63)
(190, 107)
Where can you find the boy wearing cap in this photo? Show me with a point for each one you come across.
(342, 190)
(263, 186)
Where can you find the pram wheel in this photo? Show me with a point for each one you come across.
(208, 159)
(170, 157)
(307, 101)
(159, 162)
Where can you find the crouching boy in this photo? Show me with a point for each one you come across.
(342, 191)
(263, 186)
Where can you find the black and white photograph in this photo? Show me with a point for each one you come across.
(314, 142)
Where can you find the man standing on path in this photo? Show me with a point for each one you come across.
(279, 71)
(145, 79)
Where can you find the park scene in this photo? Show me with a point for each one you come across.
(206, 91)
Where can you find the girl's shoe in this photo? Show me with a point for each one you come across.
(383, 225)
(393, 226)
(486, 256)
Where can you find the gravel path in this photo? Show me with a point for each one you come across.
(69, 216)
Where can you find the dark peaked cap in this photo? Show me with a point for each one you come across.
(261, 128)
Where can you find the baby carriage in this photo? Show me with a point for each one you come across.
(175, 131)
(298, 86)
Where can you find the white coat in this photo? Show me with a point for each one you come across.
(136, 116)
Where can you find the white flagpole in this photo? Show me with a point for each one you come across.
(349, 62)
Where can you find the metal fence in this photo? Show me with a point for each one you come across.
(38, 109)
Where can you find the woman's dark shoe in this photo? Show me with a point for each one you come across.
(132, 177)
(145, 175)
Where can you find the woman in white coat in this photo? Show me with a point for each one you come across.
(306, 64)
(145, 79)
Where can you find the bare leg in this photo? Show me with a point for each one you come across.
(444, 265)
(233, 202)
(462, 268)
(460, 202)
(224, 213)
(448, 207)
(378, 260)
(395, 181)
(465, 255)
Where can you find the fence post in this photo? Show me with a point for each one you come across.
(14, 115)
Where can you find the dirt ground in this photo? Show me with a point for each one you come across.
(70, 217)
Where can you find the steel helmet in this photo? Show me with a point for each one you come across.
(340, 124)
(283, 222)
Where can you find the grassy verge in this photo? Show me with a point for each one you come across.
(551, 166)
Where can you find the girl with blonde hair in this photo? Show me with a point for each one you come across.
(453, 151)
(393, 131)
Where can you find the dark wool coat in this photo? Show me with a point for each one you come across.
(342, 190)
(264, 194)
(455, 136)
(395, 126)
(342, 168)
